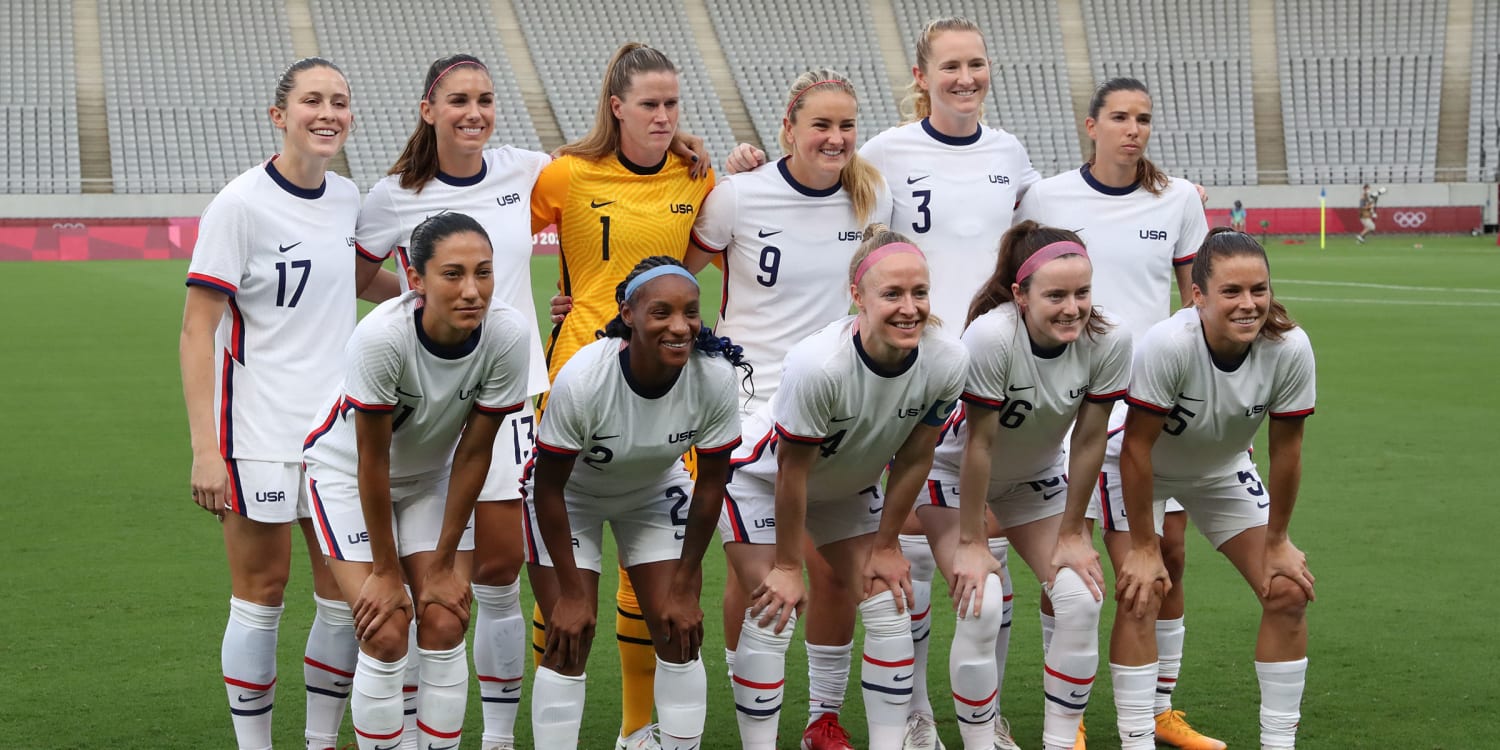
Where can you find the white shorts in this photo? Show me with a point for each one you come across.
(648, 525)
(1014, 503)
(1221, 507)
(749, 514)
(417, 505)
(1108, 503)
(1368, 224)
(267, 491)
(514, 444)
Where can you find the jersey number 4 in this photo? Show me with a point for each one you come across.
(282, 272)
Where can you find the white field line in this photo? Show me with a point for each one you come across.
(1394, 287)
(1420, 303)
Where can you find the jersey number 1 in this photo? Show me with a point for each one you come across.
(604, 227)
(305, 266)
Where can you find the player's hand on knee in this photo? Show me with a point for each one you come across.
(1076, 552)
(1282, 558)
(972, 563)
(210, 482)
(562, 304)
(682, 621)
(888, 566)
(778, 597)
(381, 597)
(1142, 581)
(445, 588)
(570, 628)
(744, 158)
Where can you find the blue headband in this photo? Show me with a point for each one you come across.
(656, 273)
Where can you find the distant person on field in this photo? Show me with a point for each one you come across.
(1237, 217)
(1367, 200)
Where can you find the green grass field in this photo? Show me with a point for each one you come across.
(116, 601)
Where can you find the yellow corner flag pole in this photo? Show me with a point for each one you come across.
(1323, 219)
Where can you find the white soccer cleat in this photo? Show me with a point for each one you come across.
(641, 739)
(1003, 740)
(921, 733)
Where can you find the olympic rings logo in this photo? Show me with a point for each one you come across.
(70, 226)
(1409, 219)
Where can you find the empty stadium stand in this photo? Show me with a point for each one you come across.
(1484, 96)
(38, 99)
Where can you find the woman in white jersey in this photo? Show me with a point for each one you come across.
(1202, 383)
(1142, 228)
(861, 390)
(447, 166)
(1042, 362)
(397, 462)
(622, 412)
(270, 302)
(785, 233)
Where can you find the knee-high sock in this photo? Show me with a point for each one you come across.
(556, 709)
(1169, 637)
(1134, 688)
(1281, 685)
(760, 681)
(248, 659)
(376, 703)
(971, 669)
(827, 678)
(919, 554)
(1068, 677)
(443, 696)
(637, 659)
(681, 703)
(499, 658)
(1000, 548)
(886, 675)
(1049, 623)
(328, 671)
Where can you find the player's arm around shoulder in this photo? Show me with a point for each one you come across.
(551, 192)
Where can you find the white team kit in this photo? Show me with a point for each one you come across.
(1038, 395)
(281, 254)
(833, 396)
(955, 198)
(499, 198)
(430, 390)
(628, 442)
(1212, 413)
(786, 250)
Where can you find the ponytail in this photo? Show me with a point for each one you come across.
(418, 163)
(859, 178)
(1019, 243)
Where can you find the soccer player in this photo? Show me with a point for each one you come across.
(1042, 361)
(861, 390)
(1143, 228)
(396, 465)
(1203, 382)
(1367, 201)
(618, 196)
(270, 300)
(447, 167)
(621, 414)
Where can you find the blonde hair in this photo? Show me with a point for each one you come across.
(918, 102)
(859, 178)
(630, 60)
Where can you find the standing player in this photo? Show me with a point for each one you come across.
(1203, 382)
(1042, 361)
(617, 197)
(430, 377)
(447, 167)
(1142, 228)
(270, 299)
(854, 394)
(630, 404)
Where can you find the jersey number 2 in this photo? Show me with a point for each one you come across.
(305, 266)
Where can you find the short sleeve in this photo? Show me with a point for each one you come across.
(1029, 176)
(803, 409)
(884, 206)
(1030, 206)
(1295, 389)
(504, 388)
(379, 229)
(1194, 228)
(714, 228)
(374, 369)
(549, 194)
(1110, 378)
(989, 362)
(1156, 371)
(563, 431)
(950, 384)
(221, 255)
(720, 430)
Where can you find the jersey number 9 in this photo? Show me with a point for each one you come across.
(770, 262)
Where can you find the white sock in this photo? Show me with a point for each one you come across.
(886, 675)
(248, 658)
(827, 678)
(919, 554)
(499, 657)
(760, 681)
(1169, 637)
(443, 696)
(1072, 661)
(1049, 623)
(681, 703)
(971, 669)
(376, 703)
(999, 547)
(328, 671)
(410, 736)
(1281, 684)
(556, 709)
(729, 662)
(1134, 688)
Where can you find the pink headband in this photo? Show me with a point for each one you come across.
(1047, 254)
(430, 89)
(793, 102)
(883, 252)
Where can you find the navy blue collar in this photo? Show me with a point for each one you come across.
(1224, 365)
(470, 181)
(786, 174)
(1088, 177)
(967, 140)
(635, 385)
(879, 369)
(287, 185)
(442, 351)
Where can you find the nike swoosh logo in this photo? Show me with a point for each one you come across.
(762, 699)
(388, 747)
(874, 511)
(343, 684)
(915, 180)
(979, 714)
(1136, 735)
(597, 204)
(1021, 387)
(515, 689)
(1076, 694)
(598, 437)
(1052, 494)
(845, 419)
(764, 234)
(903, 677)
(1186, 397)
(284, 248)
(679, 535)
(400, 392)
(1265, 504)
(431, 746)
(242, 699)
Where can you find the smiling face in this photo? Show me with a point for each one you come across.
(823, 135)
(893, 304)
(1121, 129)
(1057, 301)
(664, 319)
(957, 79)
(1235, 303)
(456, 284)
(648, 116)
(462, 111)
(316, 119)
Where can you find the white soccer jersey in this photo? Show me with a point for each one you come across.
(626, 437)
(281, 253)
(1037, 393)
(1212, 413)
(499, 198)
(1134, 239)
(430, 389)
(786, 250)
(832, 395)
(955, 197)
